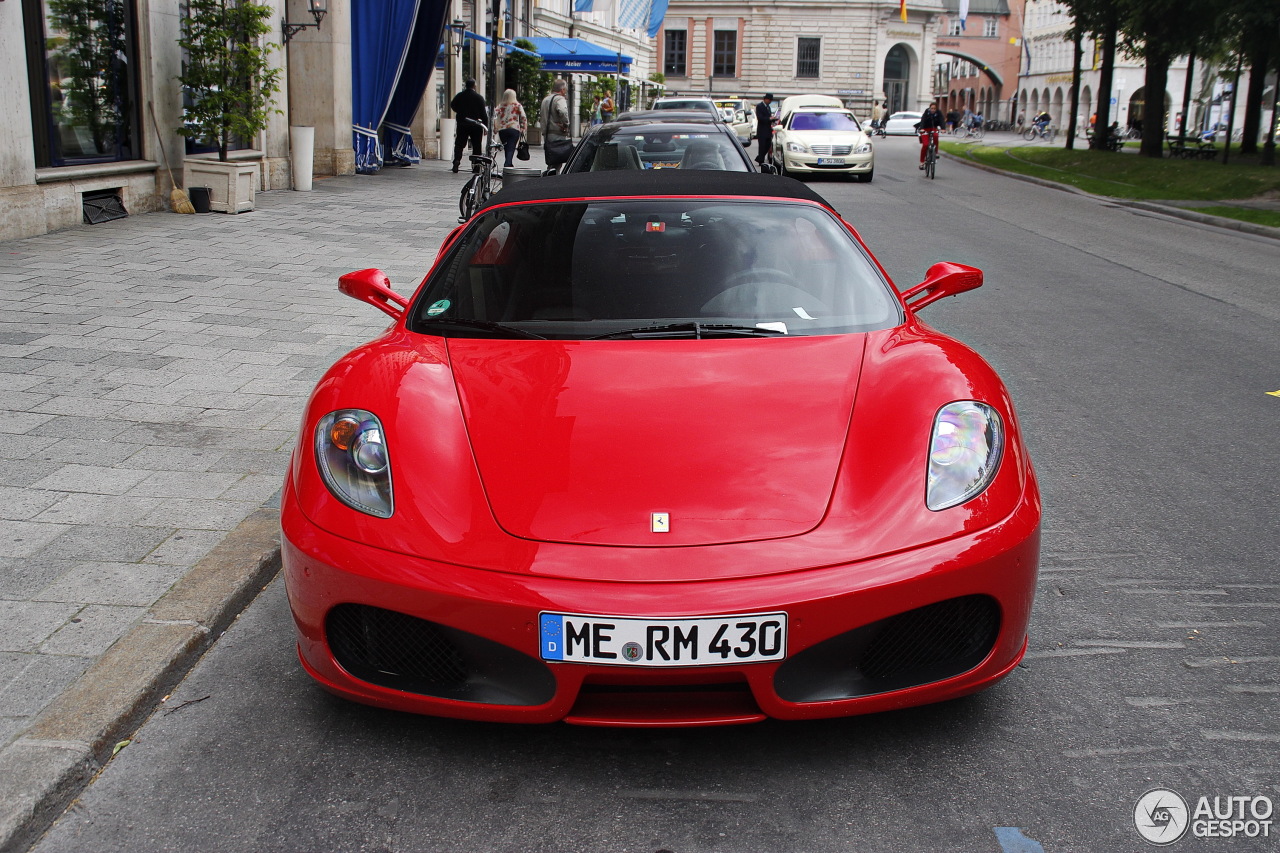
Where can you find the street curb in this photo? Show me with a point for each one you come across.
(74, 737)
(1150, 207)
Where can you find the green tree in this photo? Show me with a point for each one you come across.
(229, 83)
(524, 74)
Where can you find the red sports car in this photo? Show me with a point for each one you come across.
(659, 449)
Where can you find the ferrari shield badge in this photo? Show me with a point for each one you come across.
(660, 522)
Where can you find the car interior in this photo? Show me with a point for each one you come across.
(581, 270)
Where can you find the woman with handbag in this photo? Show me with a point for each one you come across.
(511, 123)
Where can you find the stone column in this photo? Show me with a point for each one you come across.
(319, 67)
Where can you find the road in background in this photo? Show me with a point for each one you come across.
(1139, 351)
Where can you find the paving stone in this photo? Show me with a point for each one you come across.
(93, 479)
(121, 544)
(92, 630)
(37, 679)
(135, 584)
(24, 625)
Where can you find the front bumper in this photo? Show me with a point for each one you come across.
(416, 635)
(854, 164)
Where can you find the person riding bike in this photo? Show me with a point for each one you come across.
(1042, 121)
(930, 124)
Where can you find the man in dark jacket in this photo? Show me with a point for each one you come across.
(764, 128)
(468, 104)
(929, 126)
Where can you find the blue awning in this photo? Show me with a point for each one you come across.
(579, 56)
(506, 45)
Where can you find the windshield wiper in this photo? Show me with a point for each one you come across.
(480, 324)
(691, 330)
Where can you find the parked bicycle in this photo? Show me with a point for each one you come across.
(1046, 132)
(483, 183)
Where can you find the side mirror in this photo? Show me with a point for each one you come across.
(373, 286)
(942, 279)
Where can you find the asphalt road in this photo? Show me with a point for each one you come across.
(1139, 350)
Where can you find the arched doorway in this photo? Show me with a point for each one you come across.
(897, 78)
(1138, 111)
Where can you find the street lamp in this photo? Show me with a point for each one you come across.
(317, 8)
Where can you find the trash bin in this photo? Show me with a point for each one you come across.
(200, 197)
(512, 174)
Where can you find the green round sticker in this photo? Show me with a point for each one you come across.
(438, 308)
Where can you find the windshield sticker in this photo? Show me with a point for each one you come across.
(802, 314)
(438, 308)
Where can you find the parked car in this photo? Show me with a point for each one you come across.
(606, 466)
(822, 140)
(740, 115)
(660, 139)
(902, 124)
(688, 103)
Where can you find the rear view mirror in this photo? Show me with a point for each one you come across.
(373, 286)
(942, 279)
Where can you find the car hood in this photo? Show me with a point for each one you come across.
(585, 441)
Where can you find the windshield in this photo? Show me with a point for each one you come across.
(658, 147)
(824, 121)
(654, 268)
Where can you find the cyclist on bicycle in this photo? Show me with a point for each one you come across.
(930, 124)
(1042, 121)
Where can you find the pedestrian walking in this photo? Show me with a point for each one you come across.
(511, 123)
(606, 107)
(554, 120)
(468, 104)
(764, 128)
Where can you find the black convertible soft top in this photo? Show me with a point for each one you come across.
(655, 182)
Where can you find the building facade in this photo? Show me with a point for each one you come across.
(1045, 82)
(858, 50)
(979, 58)
(93, 110)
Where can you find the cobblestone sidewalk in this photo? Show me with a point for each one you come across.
(155, 369)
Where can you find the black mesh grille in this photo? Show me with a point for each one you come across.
(412, 655)
(959, 629)
(386, 647)
(920, 646)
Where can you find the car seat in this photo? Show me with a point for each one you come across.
(613, 156)
(702, 154)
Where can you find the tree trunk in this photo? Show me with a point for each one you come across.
(1184, 130)
(1105, 80)
(1259, 60)
(1076, 53)
(1153, 113)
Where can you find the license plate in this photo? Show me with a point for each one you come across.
(625, 641)
(831, 161)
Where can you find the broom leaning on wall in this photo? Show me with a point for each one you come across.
(178, 199)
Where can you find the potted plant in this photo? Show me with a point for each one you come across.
(228, 93)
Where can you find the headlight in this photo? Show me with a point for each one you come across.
(964, 453)
(797, 147)
(864, 148)
(351, 451)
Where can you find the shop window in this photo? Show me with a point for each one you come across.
(82, 74)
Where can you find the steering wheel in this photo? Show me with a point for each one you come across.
(758, 293)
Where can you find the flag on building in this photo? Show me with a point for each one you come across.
(964, 12)
(902, 9)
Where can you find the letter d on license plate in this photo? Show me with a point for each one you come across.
(626, 641)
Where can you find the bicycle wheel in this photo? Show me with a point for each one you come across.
(1029, 134)
(468, 199)
(930, 162)
(979, 132)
